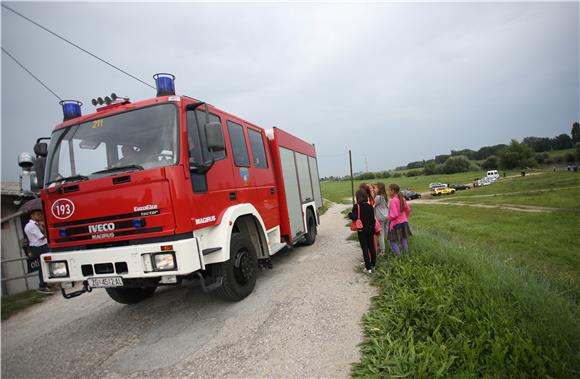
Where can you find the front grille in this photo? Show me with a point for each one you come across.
(104, 268)
(87, 270)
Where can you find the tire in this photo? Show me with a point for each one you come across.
(130, 295)
(311, 233)
(239, 272)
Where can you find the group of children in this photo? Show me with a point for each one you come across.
(382, 212)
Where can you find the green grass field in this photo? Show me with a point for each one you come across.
(485, 292)
(338, 191)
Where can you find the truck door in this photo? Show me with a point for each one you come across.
(211, 189)
(267, 198)
(242, 170)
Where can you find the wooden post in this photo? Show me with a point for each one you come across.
(351, 177)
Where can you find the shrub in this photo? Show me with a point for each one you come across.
(430, 168)
(542, 158)
(414, 173)
(458, 163)
(397, 175)
(570, 158)
(366, 176)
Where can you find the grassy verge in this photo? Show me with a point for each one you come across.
(325, 205)
(446, 310)
(15, 303)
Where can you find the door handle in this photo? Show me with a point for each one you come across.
(272, 191)
(233, 196)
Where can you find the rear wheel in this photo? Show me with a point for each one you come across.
(239, 272)
(130, 295)
(311, 233)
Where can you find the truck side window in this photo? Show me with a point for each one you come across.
(238, 142)
(200, 113)
(258, 150)
(198, 152)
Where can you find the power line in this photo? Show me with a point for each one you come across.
(30, 73)
(75, 45)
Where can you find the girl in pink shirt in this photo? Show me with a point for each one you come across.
(399, 212)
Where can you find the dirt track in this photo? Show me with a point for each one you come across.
(303, 319)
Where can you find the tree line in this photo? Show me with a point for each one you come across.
(531, 152)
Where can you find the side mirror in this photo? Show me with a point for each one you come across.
(41, 149)
(214, 136)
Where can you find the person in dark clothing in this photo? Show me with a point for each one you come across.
(366, 235)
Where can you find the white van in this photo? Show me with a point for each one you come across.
(493, 174)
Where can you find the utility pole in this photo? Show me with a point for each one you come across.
(366, 164)
(351, 177)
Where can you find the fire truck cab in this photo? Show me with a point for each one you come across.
(143, 194)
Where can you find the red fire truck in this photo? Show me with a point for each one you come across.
(138, 195)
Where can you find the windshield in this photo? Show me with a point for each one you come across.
(140, 139)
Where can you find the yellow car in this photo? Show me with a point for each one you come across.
(442, 191)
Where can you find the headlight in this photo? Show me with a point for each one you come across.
(58, 269)
(164, 261)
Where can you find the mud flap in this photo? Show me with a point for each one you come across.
(207, 288)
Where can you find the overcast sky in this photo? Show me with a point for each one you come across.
(398, 82)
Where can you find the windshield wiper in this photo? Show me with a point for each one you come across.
(120, 168)
(74, 178)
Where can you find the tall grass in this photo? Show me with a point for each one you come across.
(445, 310)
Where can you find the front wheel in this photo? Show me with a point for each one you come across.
(130, 295)
(239, 272)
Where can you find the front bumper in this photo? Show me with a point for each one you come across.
(138, 264)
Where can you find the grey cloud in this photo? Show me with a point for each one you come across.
(397, 82)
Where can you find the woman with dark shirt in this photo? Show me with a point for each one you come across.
(366, 235)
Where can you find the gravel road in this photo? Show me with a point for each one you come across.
(302, 320)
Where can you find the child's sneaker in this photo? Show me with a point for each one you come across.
(367, 271)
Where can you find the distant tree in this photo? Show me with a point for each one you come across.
(488, 151)
(441, 158)
(429, 168)
(416, 164)
(570, 158)
(455, 164)
(470, 154)
(516, 155)
(562, 141)
(397, 175)
(490, 163)
(575, 132)
(538, 144)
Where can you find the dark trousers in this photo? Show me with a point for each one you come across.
(36, 252)
(367, 244)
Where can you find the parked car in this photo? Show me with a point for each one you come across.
(442, 191)
(459, 187)
(411, 195)
(437, 185)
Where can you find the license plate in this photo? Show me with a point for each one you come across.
(114, 281)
